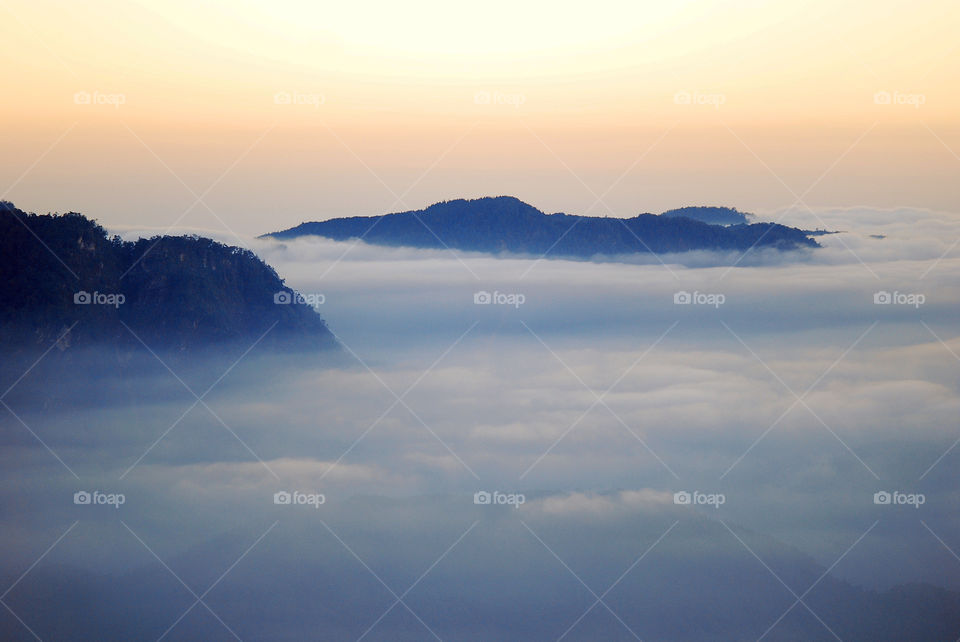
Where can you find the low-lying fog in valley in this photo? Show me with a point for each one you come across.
(511, 448)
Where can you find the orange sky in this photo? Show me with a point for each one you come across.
(251, 116)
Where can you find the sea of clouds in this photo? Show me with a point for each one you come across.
(799, 387)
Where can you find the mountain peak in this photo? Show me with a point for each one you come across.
(507, 225)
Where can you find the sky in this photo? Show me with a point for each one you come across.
(250, 117)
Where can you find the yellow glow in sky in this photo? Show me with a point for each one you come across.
(129, 110)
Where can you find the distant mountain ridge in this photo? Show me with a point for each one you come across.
(505, 224)
(712, 215)
(62, 278)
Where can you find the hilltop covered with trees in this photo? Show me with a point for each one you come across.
(508, 225)
(175, 292)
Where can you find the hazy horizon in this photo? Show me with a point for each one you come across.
(130, 111)
(752, 435)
